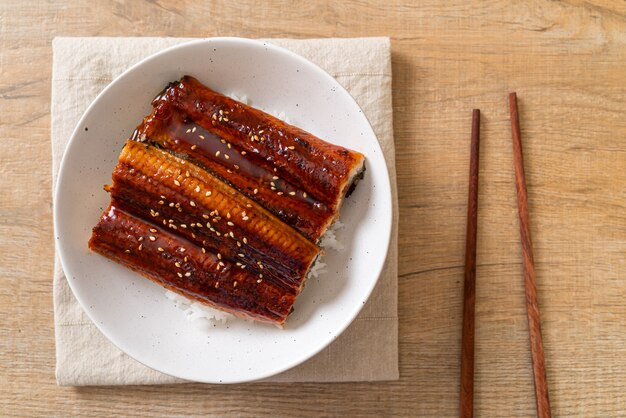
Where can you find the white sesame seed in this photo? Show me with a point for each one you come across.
(256, 191)
(127, 251)
(274, 178)
(292, 193)
(152, 238)
(279, 193)
(183, 249)
(229, 223)
(185, 259)
(236, 167)
(238, 244)
(192, 203)
(171, 205)
(193, 129)
(160, 249)
(161, 202)
(183, 225)
(201, 136)
(259, 280)
(303, 194)
(197, 189)
(291, 147)
(217, 153)
(187, 274)
(245, 218)
(194, 146)
(245, 240)
(221, 112)
(219, 256)
(140, 247)
(177, 264)
(203, 250)
(207, 194)
(235, 283)
(140, 239)
(228, 143)
(176, 182)
(240, 255)
(226, 156)
(187, 173)
(179, 274)
(188, 130)
(243, 153)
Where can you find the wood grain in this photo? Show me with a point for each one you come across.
(466, 396)
(567, 58)
(530, 285)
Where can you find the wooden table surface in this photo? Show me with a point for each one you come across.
(567, 62)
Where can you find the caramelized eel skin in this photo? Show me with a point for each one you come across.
(232, 289)
(160, 200)
(295, 175)
(155, 184)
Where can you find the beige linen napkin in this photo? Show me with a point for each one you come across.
(367, 350)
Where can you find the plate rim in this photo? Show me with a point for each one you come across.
(59, 181)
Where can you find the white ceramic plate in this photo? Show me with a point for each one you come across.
(131, 311)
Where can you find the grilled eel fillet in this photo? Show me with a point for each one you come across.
(180, 226)
(258, 154)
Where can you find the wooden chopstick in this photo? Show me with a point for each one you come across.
(466, 406)
(532, 307)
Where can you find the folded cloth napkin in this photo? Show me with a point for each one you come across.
(366, 351)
